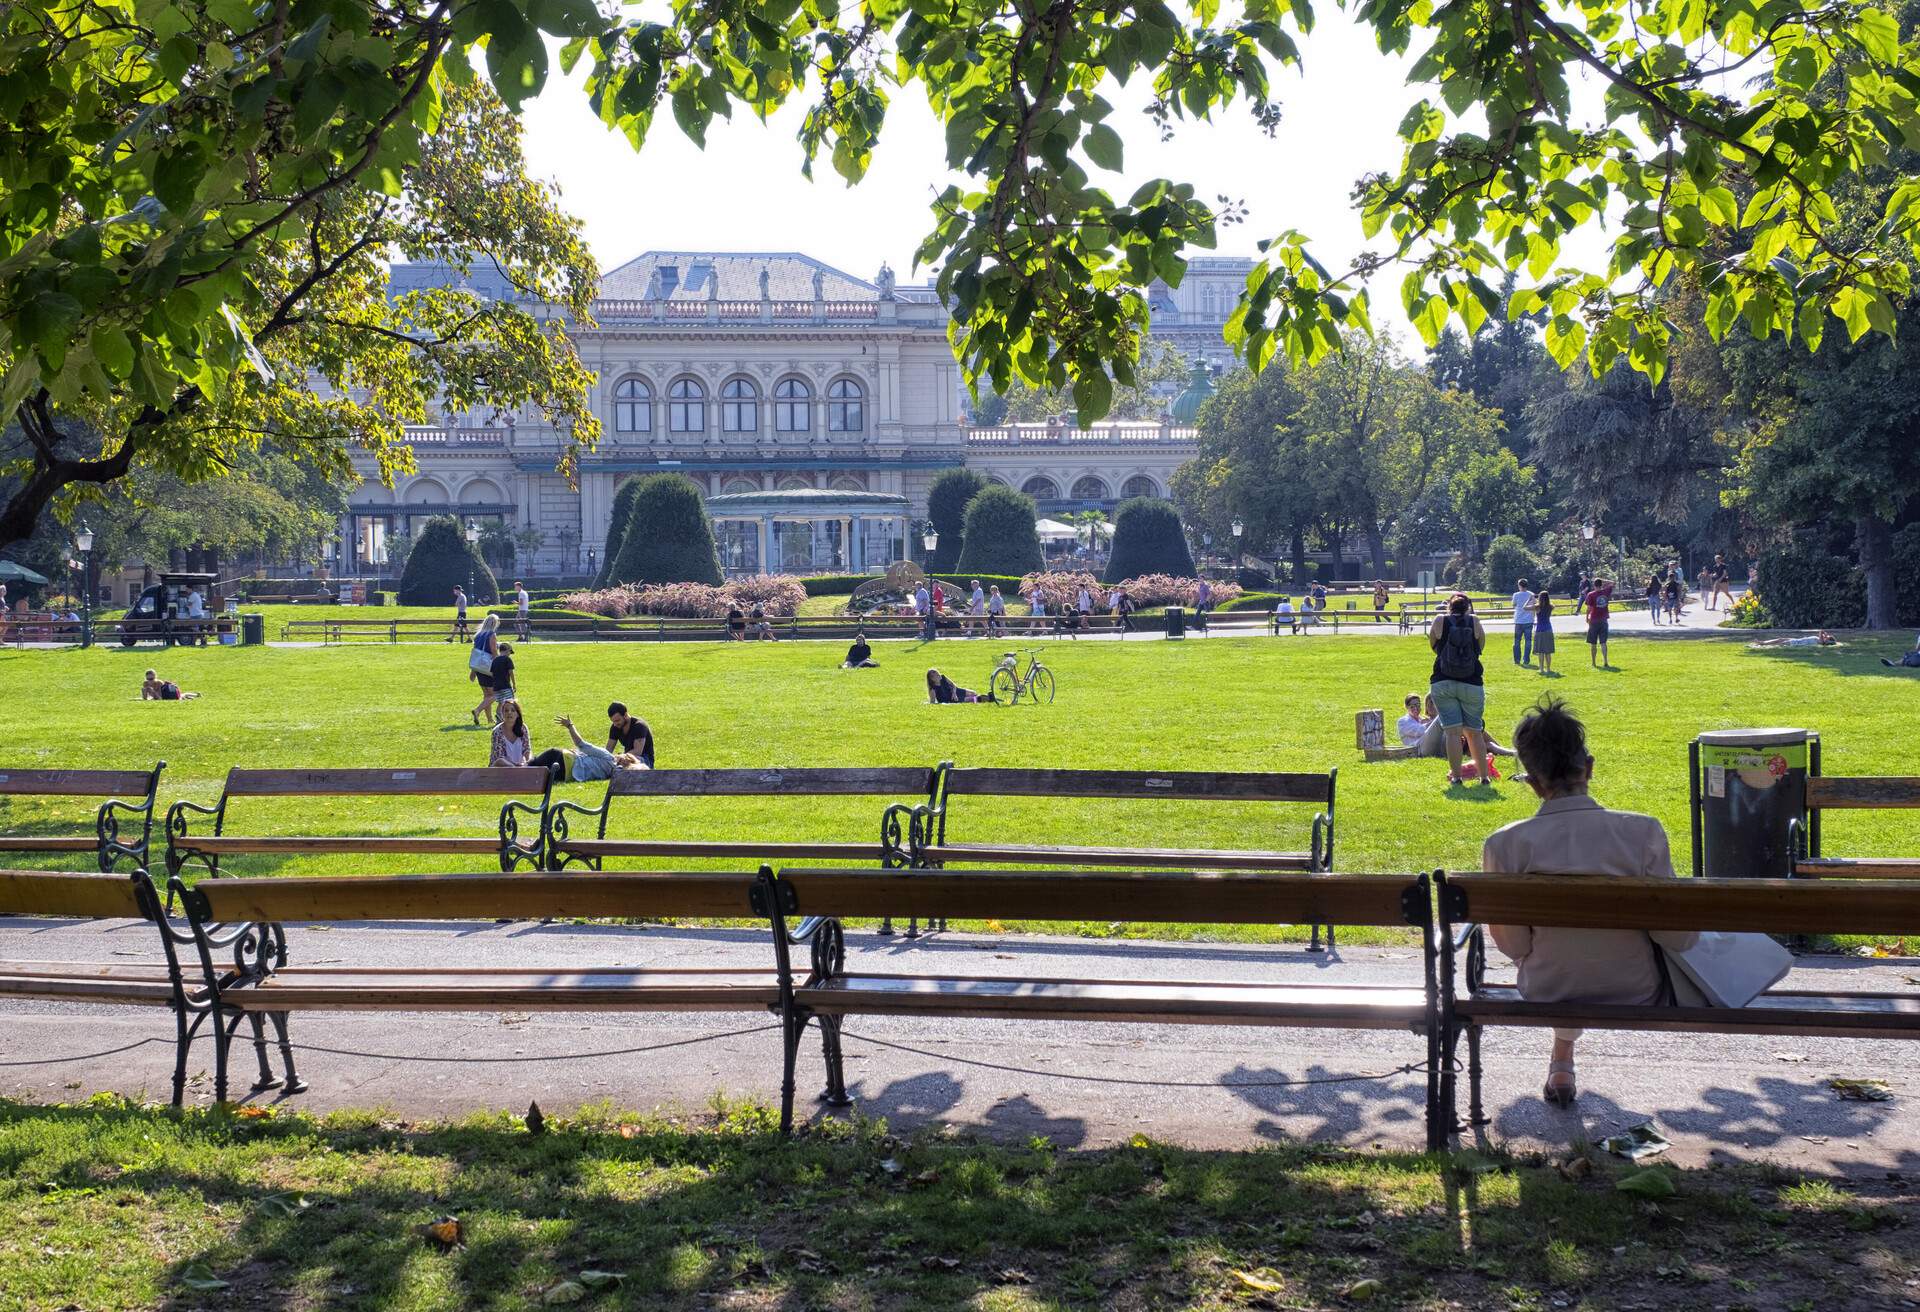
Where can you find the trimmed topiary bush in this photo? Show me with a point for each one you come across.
(947, 507)
(1147, 540)
(1000, 537)
(667, 537)
(442, 559)
(616, 528)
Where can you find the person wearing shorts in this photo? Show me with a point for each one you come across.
(1458, 685)
(1599, 604)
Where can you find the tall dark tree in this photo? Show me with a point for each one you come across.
(617, 528)
(947, 507)
(1148, 539)
(668, 537)
(1001, 534)
(441, 560)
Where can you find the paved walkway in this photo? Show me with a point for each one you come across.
(1717, 1098)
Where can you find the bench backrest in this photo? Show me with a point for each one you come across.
(76, 783)
(1766, 906)
(1168, 897)
(520, 781)
(46, 893)
(807, 781)
(1835, 792)
(1178, 785)
(470, 897)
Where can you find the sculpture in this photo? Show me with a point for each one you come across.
(885, 280)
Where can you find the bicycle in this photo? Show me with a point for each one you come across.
(1007, 683)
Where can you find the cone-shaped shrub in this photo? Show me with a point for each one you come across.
(668, 537)
(1147, 540)
(441, 559)
(947, 507)
(1000, 537)
(616, 529)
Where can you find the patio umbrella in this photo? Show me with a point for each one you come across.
(1053, 530)
(10, 572)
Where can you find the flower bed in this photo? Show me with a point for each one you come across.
(777, 594)
(1063, 589)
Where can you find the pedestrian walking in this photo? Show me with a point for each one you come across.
(1653, 596)
(459, 614)
(976, 608)
(996, 613)
(1522, 623)
(1599, 605)
(522, 609)
(1543, 631)
(1123, 607)
(923, 603)
(1722, 573)
(1202, 603)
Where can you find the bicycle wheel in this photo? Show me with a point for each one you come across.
(1002, 687)
(1040, 688)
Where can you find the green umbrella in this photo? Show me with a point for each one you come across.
(10, 572)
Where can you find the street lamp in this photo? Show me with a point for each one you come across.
(473, 541)
(83, 540)
(930, 538)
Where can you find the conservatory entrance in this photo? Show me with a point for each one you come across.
(809, 531)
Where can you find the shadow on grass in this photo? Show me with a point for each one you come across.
(1859, 656)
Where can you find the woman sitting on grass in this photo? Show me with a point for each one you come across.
(511, 743)
(859, 655)
(942, 691)
(156, 689)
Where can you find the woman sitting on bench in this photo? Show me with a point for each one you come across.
(942, 691)
(1573, 833)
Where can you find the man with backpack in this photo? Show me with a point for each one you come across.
(1458, 685)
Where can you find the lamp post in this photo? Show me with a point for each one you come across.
(930, 538)
(473, 543)
(84, 541)
(1587, 531)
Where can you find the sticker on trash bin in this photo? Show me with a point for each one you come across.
(1716, 781)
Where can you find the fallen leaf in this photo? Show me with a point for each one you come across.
(1790, 1056)
(1139, 1141)
(200, 1278)
(1861, 1090)
(1648, 1182)
(928, 1176)
(1362, 1290)
(1579, 1168)
(1014, 1276)
(447, 1231)
(628, 1131)
(567, 1291)
(933, 1263)
(1471, 1163)
(597, 1280)
(283, 1204)
(1641, 1141)
(253, 1113)
(1258, 1283)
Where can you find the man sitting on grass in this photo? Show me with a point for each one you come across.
(156, 689)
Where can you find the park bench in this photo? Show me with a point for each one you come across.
(1469, 902)
(105, 843)
(931, 847)
(807, 907)
(513, 782)
(264, 984)
(1836, 792)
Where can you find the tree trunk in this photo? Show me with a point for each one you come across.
(1377, 544)
(1873, 538)
(1299, 553)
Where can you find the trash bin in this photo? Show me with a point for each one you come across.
(253, 630)
(1176, 622)
(1747, 787)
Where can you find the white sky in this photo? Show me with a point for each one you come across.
(745, 192)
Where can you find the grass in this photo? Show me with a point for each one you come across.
(109, 1206)
(1242, 703)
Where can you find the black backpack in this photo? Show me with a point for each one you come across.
(1459, 652)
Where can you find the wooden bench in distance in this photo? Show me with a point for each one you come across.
(105, 842)
(508, 846)
(1469, 902)
(829, 992)
(1860, 793)
(270, 986)
(932, 848)
(886, 844)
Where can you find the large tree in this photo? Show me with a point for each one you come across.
(1251, 467)
(197, 191)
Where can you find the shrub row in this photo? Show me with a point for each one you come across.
(777, 594)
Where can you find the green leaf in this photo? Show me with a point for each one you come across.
(1092, 394)
(1878, 34)
(1432, 320)
(1103, 147)
(236, 14)
(114, 350)
(200, 1278)
(1650, 1182)
(176, 176)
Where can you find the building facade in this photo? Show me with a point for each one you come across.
(750, 374)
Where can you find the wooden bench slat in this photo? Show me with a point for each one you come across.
(1200, 859)
(1838, 792)
(1860, 867)
(49, 893)
(606, 989)
(601, 847)
(46, 843)
(1357, 1006)
(1182, 785)
(1809, 1013)
(1767, 906)
(77, 988)
(1182, 898)
(911, 781)
(478, 897)
(221, 843)
(425, 781)
(75, 783)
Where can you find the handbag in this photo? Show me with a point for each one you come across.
(1721, 969)
(479, 661)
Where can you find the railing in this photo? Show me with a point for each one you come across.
(733, 311)
(1027, 434)
(433, 435)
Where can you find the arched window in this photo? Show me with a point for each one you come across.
(794, 483)
(687, 406)
(847, 483)
(846, 406)
(1139, 486)
(1041, 488)
(632, 406)
(1089, 488)
(733, 485)
(739, 406)
(792, 406)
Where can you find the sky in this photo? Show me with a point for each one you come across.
(745, 191)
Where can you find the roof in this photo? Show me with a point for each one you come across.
(685, 275)
(807, 498)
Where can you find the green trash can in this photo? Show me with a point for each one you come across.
(1176, 622)
(253, 630)
(1747, 789)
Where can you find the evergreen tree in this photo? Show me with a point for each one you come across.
(668, 537)
(616, 529)
(1147, 539)
(1001, 537)
(441, 560)
(947, 507)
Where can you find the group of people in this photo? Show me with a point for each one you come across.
(1533, 623)
(629, 745)
(522, 613)
(752, 622)
(490, 664)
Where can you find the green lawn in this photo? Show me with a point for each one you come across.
(109, 1206)
(1244, 703)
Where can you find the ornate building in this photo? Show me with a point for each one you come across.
(750, 373)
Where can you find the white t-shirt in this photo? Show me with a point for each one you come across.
(1412, 728)
(1284, 608)
(1086, 600)
(979, 600)
(196, 605)
(521, 600)
(996, 605)
(1521, 600)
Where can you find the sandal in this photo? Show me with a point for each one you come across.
(1560, 1094)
